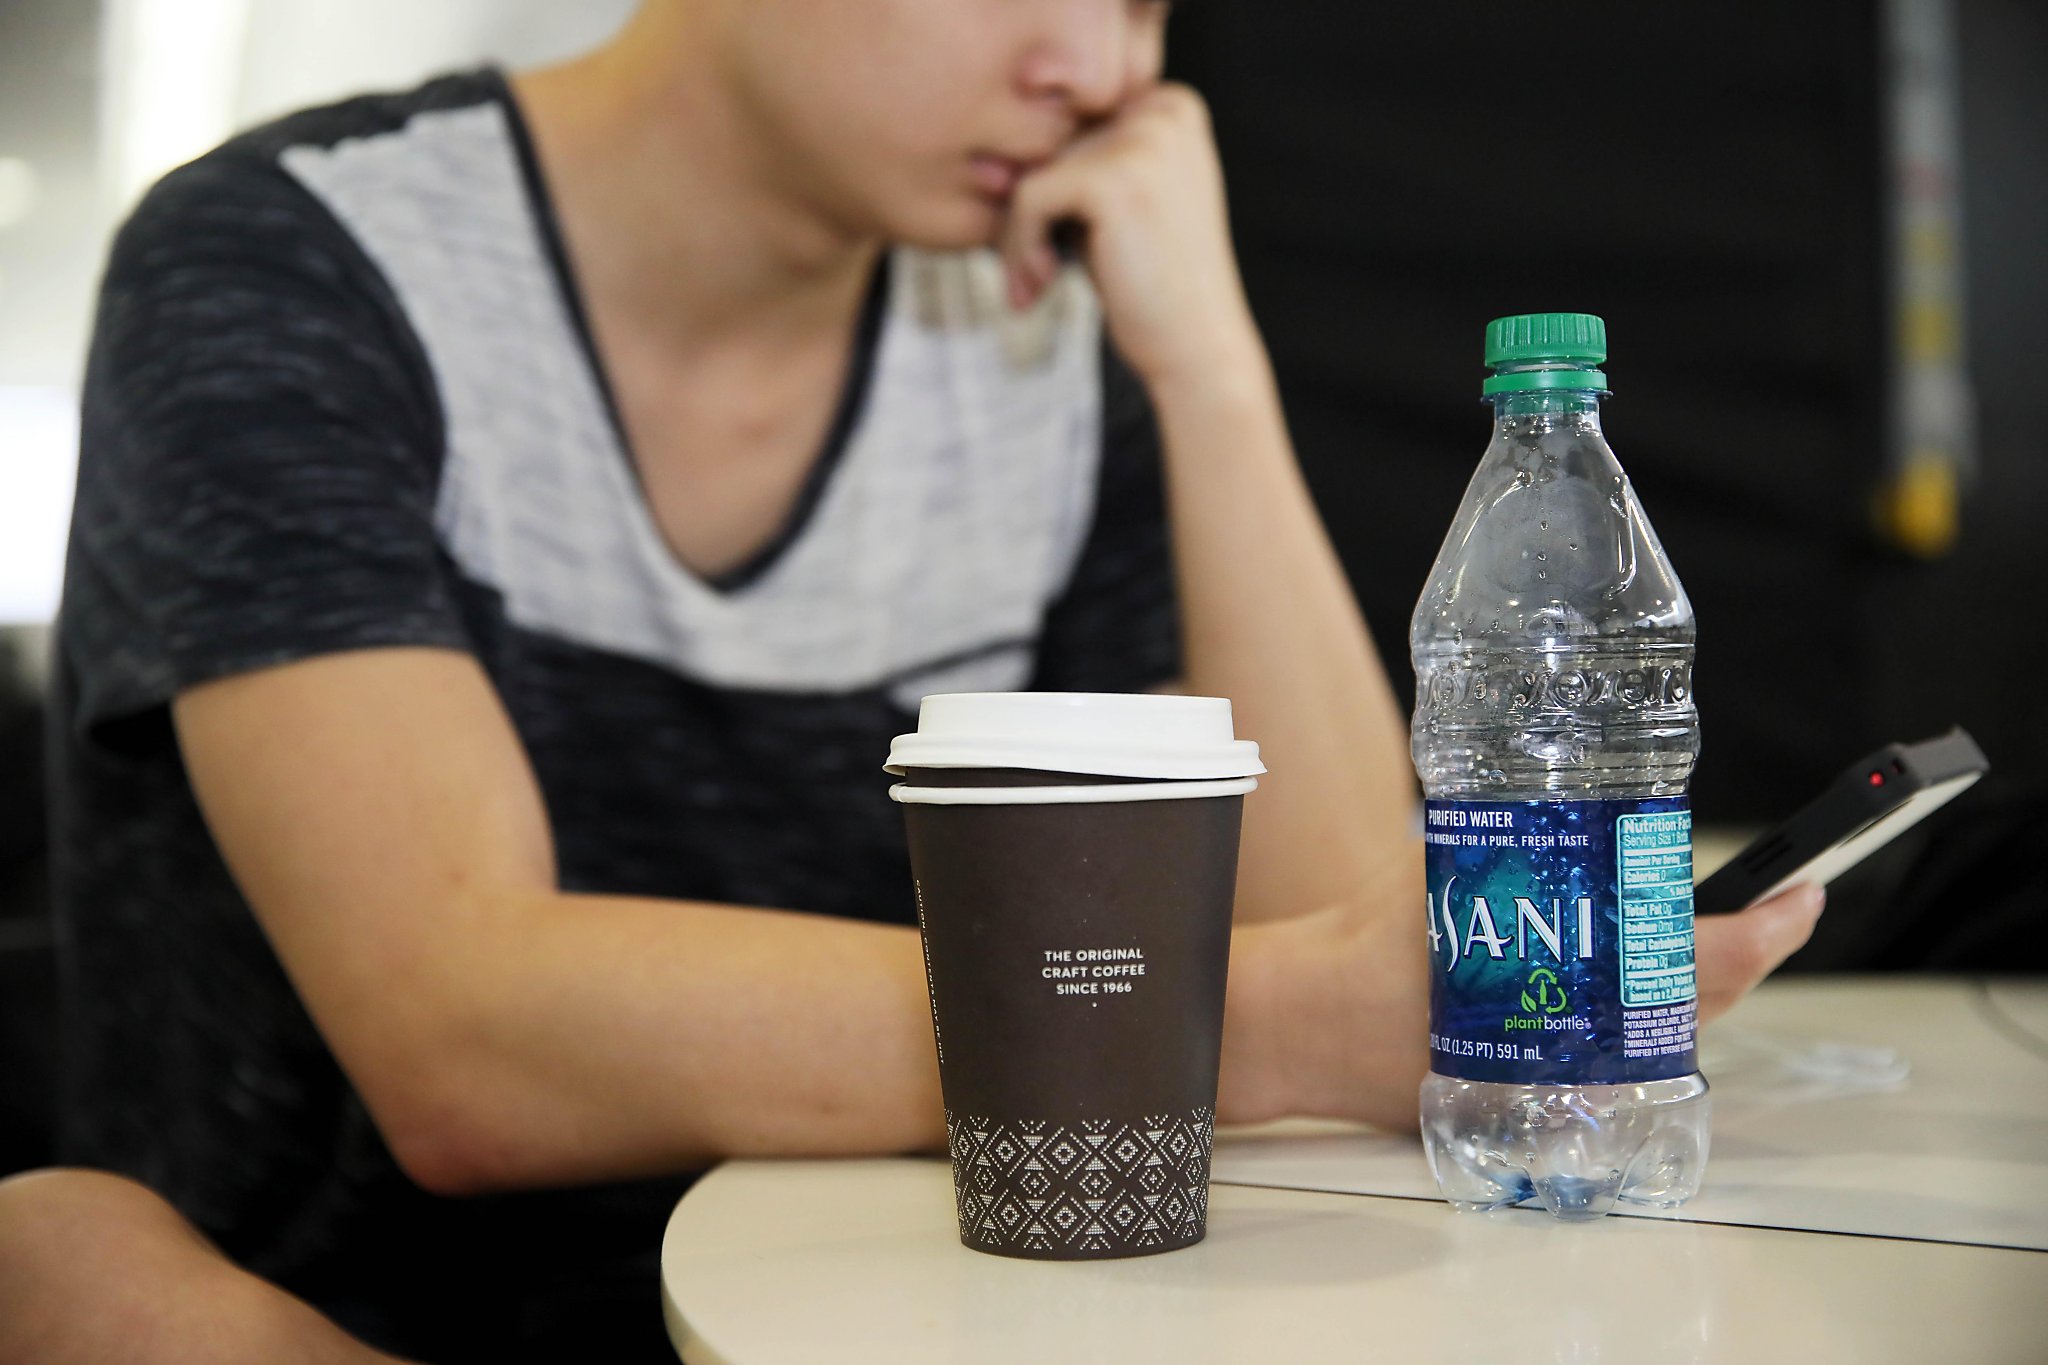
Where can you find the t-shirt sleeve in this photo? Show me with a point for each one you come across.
(1115, 627)
(259, 448)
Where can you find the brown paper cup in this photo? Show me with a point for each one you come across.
(1077, 952)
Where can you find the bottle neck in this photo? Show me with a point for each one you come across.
(1546, 409)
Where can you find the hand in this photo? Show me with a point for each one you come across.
(1731, 953)
(1329, 1012)
(1146, 189)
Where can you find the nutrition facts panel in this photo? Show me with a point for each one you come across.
(1653, 881)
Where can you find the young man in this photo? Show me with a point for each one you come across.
(513, 518)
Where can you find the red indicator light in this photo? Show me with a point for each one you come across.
(1877, 779)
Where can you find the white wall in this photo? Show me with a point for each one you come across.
(171, 78)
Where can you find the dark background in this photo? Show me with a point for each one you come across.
(1712, 183)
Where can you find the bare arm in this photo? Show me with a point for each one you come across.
(379, 814)
(96, 1269)
(1270, 622)
(377, 810)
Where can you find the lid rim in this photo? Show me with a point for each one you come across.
(1153, 764)
(1138, 735)
(1114, 793)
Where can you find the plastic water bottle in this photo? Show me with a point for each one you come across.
(1554, 732)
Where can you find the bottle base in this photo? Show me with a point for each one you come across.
(1576, 1150)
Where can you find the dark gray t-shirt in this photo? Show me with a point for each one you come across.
(341, 395)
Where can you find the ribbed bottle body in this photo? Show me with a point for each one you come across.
(1554, 733)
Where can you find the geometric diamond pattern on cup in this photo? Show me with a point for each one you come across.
(1099, 1187)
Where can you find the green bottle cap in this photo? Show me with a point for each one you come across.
(1563, 351)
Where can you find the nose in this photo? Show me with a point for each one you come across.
(1091, 55)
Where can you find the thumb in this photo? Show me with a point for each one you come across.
(1732, 953)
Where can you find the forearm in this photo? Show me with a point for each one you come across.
(377, 811)
(1270, 622)
(607, 1037)
(610, 1037)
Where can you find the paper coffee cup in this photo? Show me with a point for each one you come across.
(1075, 857)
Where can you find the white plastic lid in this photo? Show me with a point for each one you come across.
(1106, 734)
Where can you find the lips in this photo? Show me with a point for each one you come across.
(995, 176)
(996, 173)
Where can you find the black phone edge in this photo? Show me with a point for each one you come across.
(1844, 807)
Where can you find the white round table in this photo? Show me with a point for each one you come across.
(1915, 1109)
(852, 1262)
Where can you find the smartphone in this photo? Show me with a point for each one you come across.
(1869, 805)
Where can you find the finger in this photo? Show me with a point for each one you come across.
(1052, 194)
(1734, 952)
(1036, 204)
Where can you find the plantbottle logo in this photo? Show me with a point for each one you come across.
(1548, 997)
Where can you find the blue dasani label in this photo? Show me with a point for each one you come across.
(1561, 938)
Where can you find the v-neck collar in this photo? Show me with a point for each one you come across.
(846, 414)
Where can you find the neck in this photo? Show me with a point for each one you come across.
(1546, 407)
(656, 170)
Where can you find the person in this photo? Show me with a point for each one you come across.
(514, 515)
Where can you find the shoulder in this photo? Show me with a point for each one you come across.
(369, 115)
(240, 208)
(233, 264)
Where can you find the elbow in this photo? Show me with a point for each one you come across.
(442, 1165)
(459, 1116)
(453, 1145)
(464, 1135)
(457, 1126)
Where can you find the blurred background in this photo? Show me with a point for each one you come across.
(1818, 233)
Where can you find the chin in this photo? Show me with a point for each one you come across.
(957, 224)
